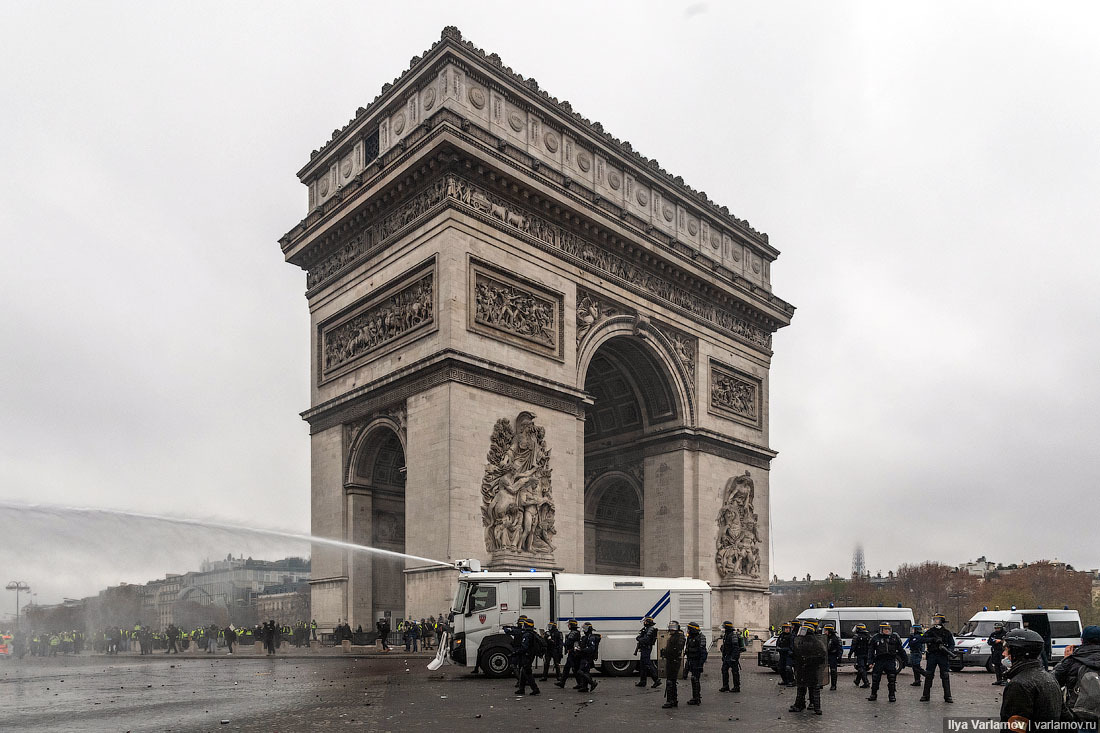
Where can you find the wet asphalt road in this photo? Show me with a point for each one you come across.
(378, 694)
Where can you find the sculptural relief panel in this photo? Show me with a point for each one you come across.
(734, 394)
(515, 310)
(378, 323)
(517, 494)
(737, 550)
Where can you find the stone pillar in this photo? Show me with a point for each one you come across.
(669, 532)
(360, 504)
(329, 565)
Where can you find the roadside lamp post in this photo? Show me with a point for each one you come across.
(18, 586)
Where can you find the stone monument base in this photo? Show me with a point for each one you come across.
(743, 600)
(503, 560)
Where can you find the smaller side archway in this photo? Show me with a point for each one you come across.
(613, 512)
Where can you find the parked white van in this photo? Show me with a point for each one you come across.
(1060, 627)
(845, 620)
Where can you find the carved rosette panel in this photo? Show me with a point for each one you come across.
(734, 394)
(738, 543)
(515, 310)
(382, 321)
(517, 497)
(685, 348)
(591, 310)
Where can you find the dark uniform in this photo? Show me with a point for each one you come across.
(695, 655)
(553, 651)
(888, 654)
(783, 646)
(939, 643)
(835, 649)
(672, 653)
(732, 646)
(646, 638)
(809, 652)
(996, 652)
(1084, 659)
(916, 653)
(861, 649)
(1031, 693)
(515, 658)
(589, 651)
(527, 656)
(572, 639)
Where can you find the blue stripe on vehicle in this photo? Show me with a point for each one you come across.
(656, 606)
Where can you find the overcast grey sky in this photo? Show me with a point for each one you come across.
(929, 171)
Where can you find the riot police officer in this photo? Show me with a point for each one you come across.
(860, 649)
(553, 651)
(572, 639)
(916, 651)
(732, 646)
(808, 650)
(783, 646)
(888, 654)
(589, 650)
(996, 651)
(940, 644)
(835, 649)
(515, 658)
(646, 638)
(673, 651)
(695, 655)
(527, 656)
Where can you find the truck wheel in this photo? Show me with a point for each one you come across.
(618, 668)
(496, 663)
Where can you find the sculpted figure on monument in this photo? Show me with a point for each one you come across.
(738, 543)
(517, 502)
(508, 308)
(380, 324)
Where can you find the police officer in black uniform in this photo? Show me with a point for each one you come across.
(527, 656)
(916, 652)
(783, 646)
(695, 655)
(572, 663)
(553, 651)
(732, 646)
(809, 653)
(860, 649)
(996, 652)
(515, 635)
(939, 643)
(835, 649)
(888, 654)
(673, 651)
(589, 650)
(646, 638)
(1031, 695)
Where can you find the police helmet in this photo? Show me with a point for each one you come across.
(693, 626)
(673, 625)
(552, 623)
(999, 625)
(861, 627)
(588, 626)
(830, 627)
(886, 625)
(810, 624)
(787, 625)
(648, 621)
(572, 623)
(1025, 643)
(727, 624)
(939, 618)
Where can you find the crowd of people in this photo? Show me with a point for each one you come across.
(171, 639)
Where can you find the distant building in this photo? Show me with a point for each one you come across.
(980, 567)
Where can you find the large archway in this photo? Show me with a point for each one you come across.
(377, 508)
(633, 396)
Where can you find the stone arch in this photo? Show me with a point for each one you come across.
(375, 490)
(656, 351)
(613, 510)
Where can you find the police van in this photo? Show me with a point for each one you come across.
(1061, 628)
(844, 620)
(486, 602)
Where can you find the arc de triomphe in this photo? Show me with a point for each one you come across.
(531, 345)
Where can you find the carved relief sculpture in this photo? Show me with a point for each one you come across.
(377, 325)
(515, 311)
(591, 309)
(734, 395)
(684, 347)
(517, 500)
(738, 543)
